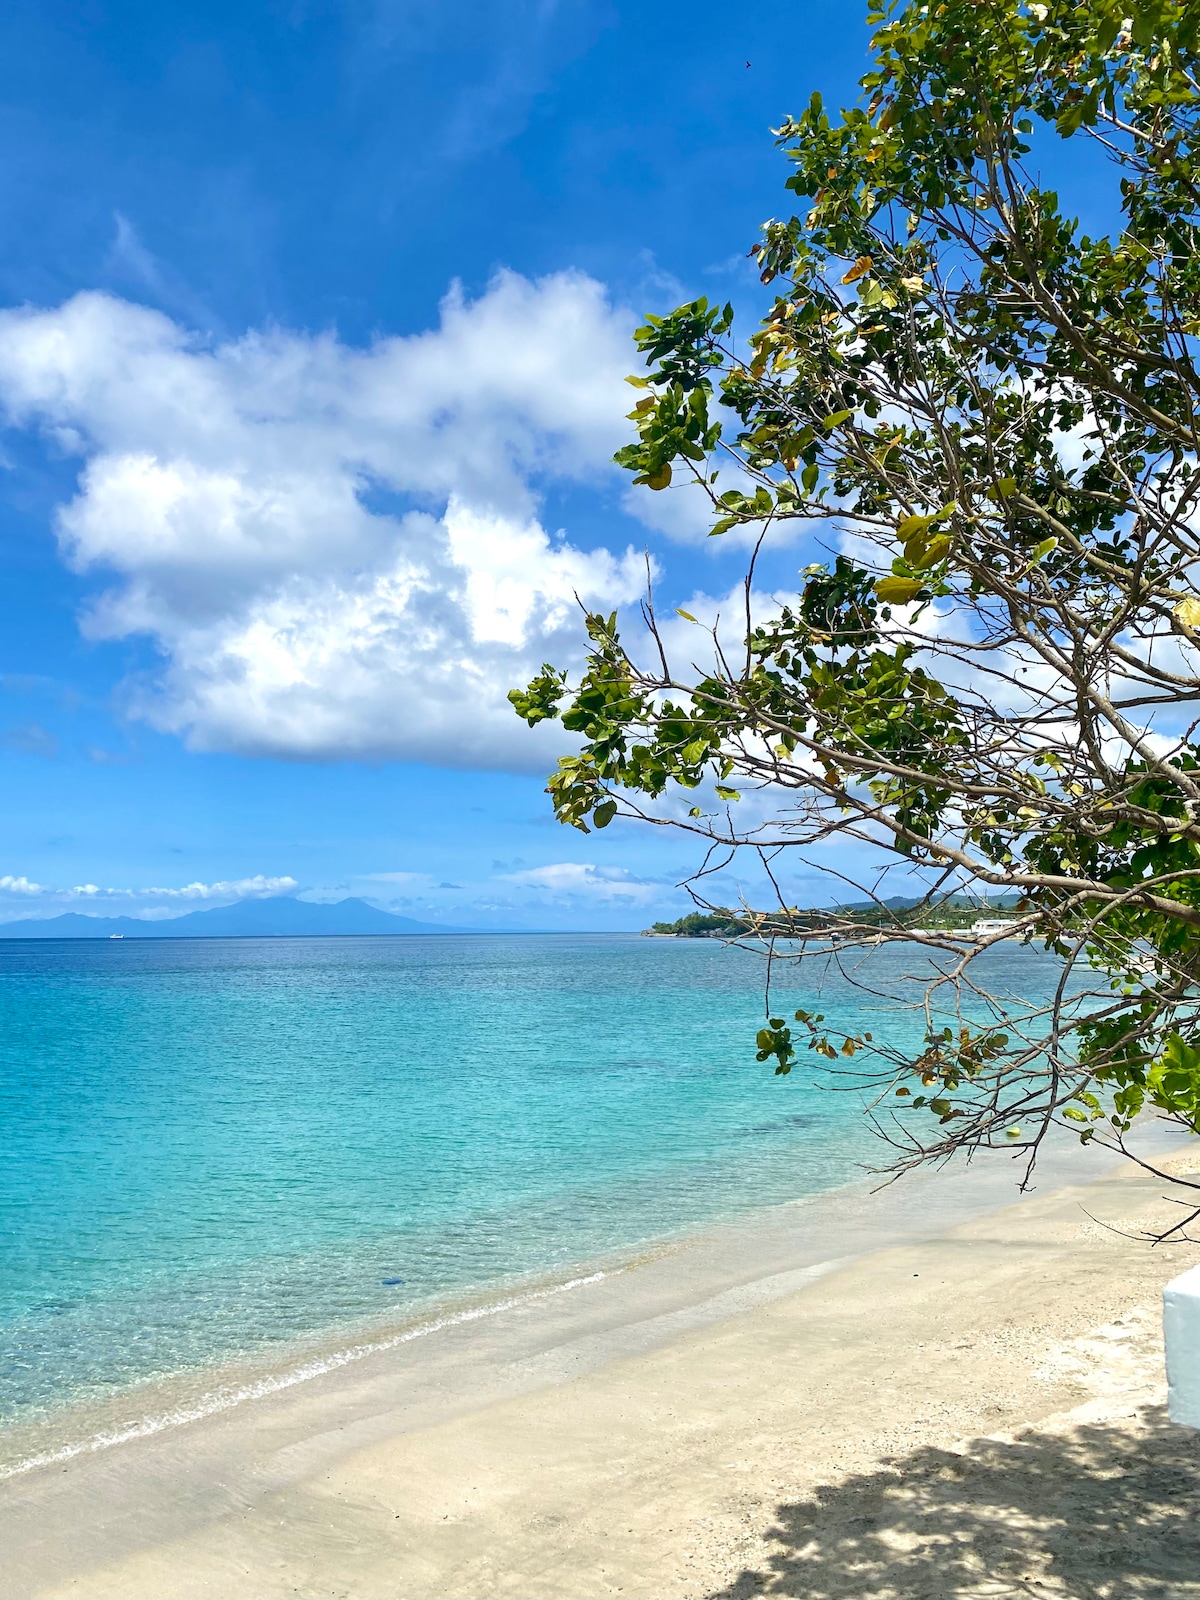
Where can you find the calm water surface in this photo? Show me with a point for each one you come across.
(210, 1146)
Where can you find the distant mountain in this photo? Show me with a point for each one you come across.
(280, 917)
(957, 902)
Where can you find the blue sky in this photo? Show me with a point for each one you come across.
(312, 324)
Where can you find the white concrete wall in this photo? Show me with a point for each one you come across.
(1181, 1332)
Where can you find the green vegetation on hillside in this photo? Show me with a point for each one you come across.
(722, 923)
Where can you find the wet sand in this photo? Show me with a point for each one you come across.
(930, 1392)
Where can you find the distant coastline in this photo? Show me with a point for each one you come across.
(957, 916)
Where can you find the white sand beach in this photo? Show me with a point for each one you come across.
(929, 1392)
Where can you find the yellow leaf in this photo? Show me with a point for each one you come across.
(686, 615)
(1188, 612)
(860, 268)
(907, 527)
(936, 550)
(897, 591)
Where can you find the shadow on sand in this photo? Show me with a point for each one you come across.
(1101, 1511)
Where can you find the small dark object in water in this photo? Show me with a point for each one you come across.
(388, 1282)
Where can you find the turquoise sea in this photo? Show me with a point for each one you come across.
(211, 1147)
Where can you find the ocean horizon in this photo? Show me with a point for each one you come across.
(215, 1148)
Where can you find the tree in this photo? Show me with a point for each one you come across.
(995, 416)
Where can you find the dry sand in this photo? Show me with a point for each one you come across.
(975, 1410)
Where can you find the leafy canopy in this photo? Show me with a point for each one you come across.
(991, 415)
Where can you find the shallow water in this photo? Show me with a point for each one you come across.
(211, 1147)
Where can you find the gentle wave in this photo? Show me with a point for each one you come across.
(209, 1405)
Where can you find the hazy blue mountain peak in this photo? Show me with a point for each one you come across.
(276, 917)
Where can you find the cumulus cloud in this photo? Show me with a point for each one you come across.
(255, 888)
(337, 550)
(581, 878)
(258, 887)
(684, 513)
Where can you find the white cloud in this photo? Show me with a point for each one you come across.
(255, 888)
(682, 512)
(336, 549)
(580, 878)
(688, 639)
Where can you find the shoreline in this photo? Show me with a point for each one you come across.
(145, 1515)
(82, 1425)
(284, 1373)
(767, 1240)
